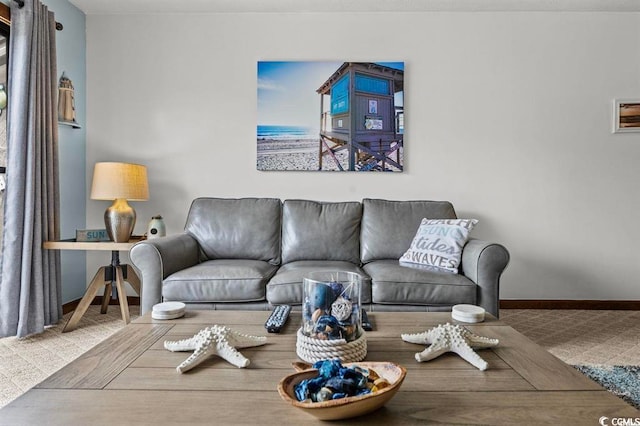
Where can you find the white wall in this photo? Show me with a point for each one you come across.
(508, 116)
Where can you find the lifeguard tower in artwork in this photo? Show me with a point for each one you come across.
(362, 117)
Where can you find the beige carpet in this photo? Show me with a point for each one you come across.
(576, 337)
(581, 337)
(26, 362)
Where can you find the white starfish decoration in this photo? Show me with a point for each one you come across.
(451, 338)
(215, 340)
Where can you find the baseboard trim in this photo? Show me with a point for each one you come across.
(614, 305)
(71, 306)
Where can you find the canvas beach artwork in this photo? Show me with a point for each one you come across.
(330, 116)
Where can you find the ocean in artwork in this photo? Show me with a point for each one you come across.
(287, 132)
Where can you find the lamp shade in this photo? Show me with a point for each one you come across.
(119, 180)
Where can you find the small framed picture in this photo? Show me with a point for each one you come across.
(373, 106)
(626, 115)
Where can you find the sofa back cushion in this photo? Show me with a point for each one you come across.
(314, 230)
(245, 228)
(388, 227)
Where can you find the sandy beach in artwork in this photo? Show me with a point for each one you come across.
(294, 154)
(300, 154)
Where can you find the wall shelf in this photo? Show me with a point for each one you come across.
(70, 123)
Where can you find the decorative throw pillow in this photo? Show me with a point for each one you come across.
(438, 243)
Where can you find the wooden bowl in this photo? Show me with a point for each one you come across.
(351, 406)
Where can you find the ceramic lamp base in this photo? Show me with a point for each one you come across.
(119, 219)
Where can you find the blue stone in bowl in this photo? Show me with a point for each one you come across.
(337, 289)
(321, 297)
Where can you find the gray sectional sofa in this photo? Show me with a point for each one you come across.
(251, 253)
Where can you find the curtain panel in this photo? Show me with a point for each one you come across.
(30, 285)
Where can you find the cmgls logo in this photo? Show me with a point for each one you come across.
(619, 421)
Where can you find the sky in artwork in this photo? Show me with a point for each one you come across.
(287, 91)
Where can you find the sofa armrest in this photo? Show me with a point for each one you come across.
(483, 263)
(158, 258)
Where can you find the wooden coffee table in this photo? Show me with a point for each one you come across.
(131, 379)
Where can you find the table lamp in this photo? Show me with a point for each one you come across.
(119, 182)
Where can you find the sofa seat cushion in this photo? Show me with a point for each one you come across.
(285, 288)
(221, 280)
(397, 284)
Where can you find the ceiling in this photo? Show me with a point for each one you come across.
(98, 7)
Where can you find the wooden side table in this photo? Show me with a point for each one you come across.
(105, 276)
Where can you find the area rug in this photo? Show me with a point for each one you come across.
(621, 380)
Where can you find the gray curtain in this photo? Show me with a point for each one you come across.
(30, 289)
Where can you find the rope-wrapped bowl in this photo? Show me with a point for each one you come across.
(310, 349)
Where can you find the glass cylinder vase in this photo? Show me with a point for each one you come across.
(331, 305)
